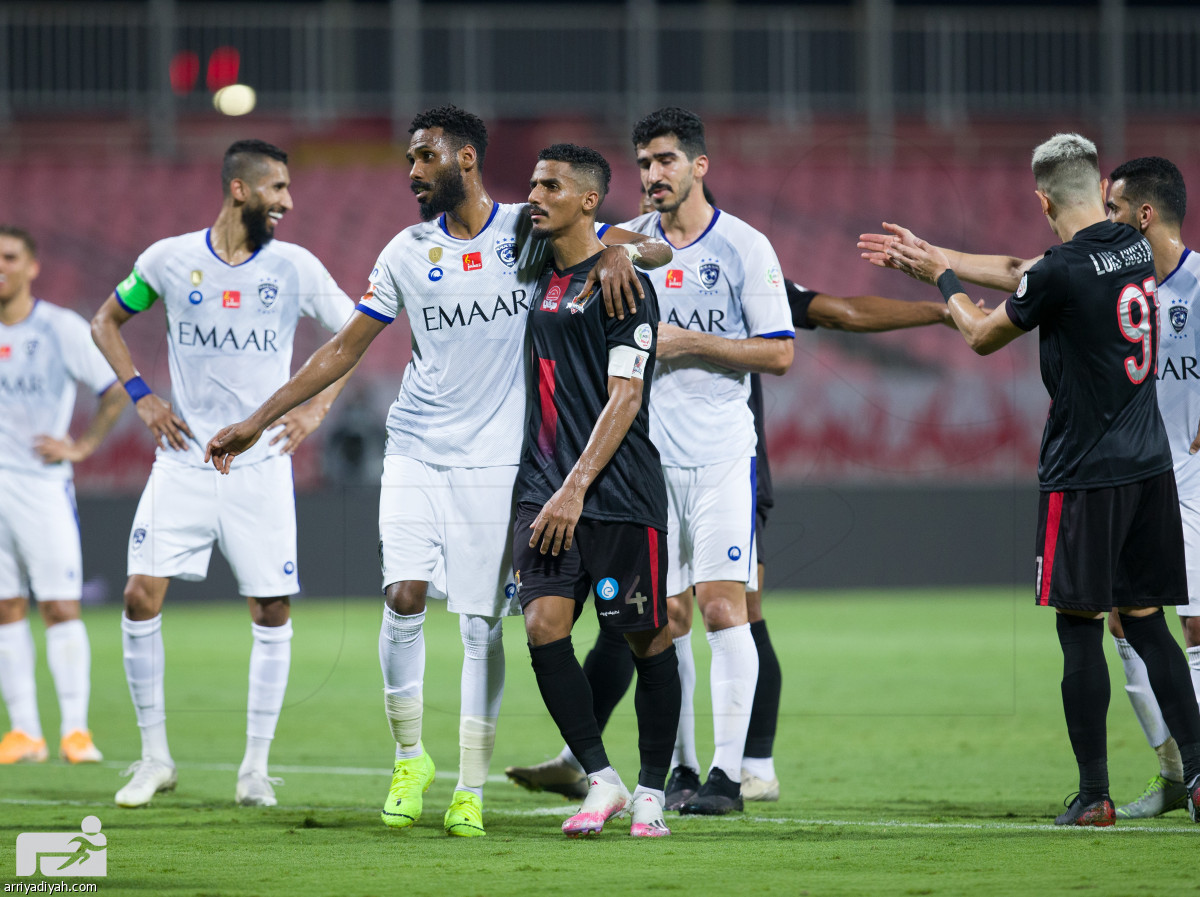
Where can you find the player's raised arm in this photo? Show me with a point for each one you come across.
(997, 272)
(156, 413)
(331, 363)
(554, 526)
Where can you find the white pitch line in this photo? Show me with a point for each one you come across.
(304, 770)
(566, 808)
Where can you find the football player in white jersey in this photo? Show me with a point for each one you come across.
(232, 297)
(464, 277)
(44, 351)
(725, 315)
(1148, 194)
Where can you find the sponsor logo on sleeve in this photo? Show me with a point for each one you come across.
(774, 276)
(197, 277)
(710, 273)
(674, 278)
(643, 336)
(231, 298)
(639, 364)
(607, 588)
(472, 261)
(1023, 285)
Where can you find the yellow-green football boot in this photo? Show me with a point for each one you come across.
(410, 779)
(465, 816)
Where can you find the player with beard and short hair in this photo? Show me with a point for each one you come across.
(464, 277)
(1110, 535)
(232, 295)
(591, 498)
(44, 351)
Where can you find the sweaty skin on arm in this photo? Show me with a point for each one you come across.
(554, 525)
(997, 272)
(873, 314)
(756, 355)
(330, 363)
(613, 271)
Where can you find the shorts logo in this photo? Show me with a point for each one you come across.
(64, 854)
(510, 590)
(1037, 584)
(1023, 286)
(774, 276)
(735, 553)
(1179, 315)
(139, 536)
(517, 581)
(710, 273)
(674, 278)
(195, 297)
(607, 588)
(435, 274)
(506, 251)
(289, 568)
(268, 292)
(472, 261)
(640, 600)
(643, 336)
(231, 298)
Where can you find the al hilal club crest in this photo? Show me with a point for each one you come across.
(268, 292)
(506, 251)
(1179, 317)
(710, 273)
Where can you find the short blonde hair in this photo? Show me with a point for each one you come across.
(1067, 169)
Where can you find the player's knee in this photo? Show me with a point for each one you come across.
(406, 598)
(142, 602)
(542, 629)
(1114, 625)
(55, 612)
(723, 614)
(270, 611)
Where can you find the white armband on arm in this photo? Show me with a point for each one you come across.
(627, 362)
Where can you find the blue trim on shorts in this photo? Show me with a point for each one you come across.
(753, 517)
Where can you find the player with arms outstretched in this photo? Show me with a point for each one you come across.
(232, 296)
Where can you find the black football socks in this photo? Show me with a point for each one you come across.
(764, 712)
(657, 699)
(568, 697)
(1085, 695)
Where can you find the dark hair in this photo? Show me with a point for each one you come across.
(1154, 180)
(243, 155)
(686, 127)
(19, 233)
(458, 124)
(582, 158)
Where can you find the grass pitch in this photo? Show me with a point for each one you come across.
(921, 747)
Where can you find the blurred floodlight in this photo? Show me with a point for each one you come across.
(236, 99)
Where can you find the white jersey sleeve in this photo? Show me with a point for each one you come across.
(764, 296)
(384, 298)
(83, 360)
(322, 298)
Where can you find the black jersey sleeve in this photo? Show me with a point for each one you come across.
(640, 330)
(1042, 292)
(799, 299)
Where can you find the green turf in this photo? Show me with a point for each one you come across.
(921, 747)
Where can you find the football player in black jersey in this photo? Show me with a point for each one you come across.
(591, 498)
(1109, 530)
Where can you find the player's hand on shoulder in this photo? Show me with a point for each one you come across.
(617, 279)
(55, 451)
(164, 424)
(554, 526)
(230, 442)
(295, 426)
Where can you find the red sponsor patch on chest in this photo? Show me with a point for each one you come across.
(472, 261)
(231, 298)
(5, 353)
(554, 292)
(674, 278)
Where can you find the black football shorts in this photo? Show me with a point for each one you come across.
(1120, 546)
(625, 563)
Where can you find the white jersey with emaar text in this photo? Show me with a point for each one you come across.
(230, 327)
(462, 399)
(726, 283)
(41, 359)
(1178, 376)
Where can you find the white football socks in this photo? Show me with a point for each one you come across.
(1193, 659)
(69, 655)
(142, 650)
(685, 740)
(760, 767)
(733, 678)
(481, 691)
(402, 659)
(270, 662)
(17, 683)
(1145, 707)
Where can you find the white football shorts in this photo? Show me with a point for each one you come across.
(710, 524)
(1189, 511)
(39, 538)
(250, 514)
(452, 528)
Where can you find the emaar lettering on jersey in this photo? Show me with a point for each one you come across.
(696, 321)
(190, 334)
(436, 316)
(32, 386)
(1185, 370)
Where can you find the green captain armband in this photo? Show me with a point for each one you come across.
(134, 293)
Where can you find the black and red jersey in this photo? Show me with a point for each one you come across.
(1093, 300)
(568, 340)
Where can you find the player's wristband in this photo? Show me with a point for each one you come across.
(631, 250)
(949, 284)
(137, 389)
